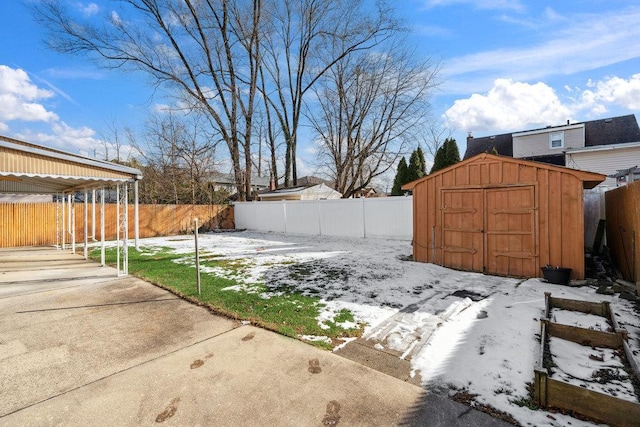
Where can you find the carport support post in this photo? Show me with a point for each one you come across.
(118, 228)
(86, 225)
(125, 259)
(136, 218)
(93, 214)
(64, 229)
(69, 217)
(72, 208)
(102, 226)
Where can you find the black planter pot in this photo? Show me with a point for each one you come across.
(556, 275)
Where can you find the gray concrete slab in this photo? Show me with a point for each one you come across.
(61, 331)
(246, 376)
(119, 351)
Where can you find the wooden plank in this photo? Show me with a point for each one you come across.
(583, 336)
(602, 407)
(589, 307)
(542, 233)
(555, 215)
(569, 233)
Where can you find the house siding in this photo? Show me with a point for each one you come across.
(606, 162)
(537, 144)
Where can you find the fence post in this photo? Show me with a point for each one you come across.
(364, 223)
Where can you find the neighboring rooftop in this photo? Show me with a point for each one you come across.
(503, 145)
(608, 131)
(615, 130)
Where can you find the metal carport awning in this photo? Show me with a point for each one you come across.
(27, 168)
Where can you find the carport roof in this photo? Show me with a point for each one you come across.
(35, 169)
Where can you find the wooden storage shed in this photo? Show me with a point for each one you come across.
(500, 215)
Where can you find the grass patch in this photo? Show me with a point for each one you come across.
(289, 313)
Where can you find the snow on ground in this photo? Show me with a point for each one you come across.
(467, 330)
(581, 320)
(597, 369)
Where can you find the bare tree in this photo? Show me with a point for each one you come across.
(433, 135)
(179, 157)
(300, 49)
(371, 103)
(207, 50)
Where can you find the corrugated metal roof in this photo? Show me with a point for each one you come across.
(34, 169)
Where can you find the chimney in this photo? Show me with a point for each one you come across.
(567, 121)
(469, 136)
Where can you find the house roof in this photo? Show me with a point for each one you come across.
(229, 179)
(299, 190)
(36, 169)
(615, 130)
(609, 131)
(502, 143)
(589, 179)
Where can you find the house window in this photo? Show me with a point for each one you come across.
(556, 140)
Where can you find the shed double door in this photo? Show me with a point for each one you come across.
(490, 230)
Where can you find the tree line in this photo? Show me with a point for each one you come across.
(249, 75)
(446, 155)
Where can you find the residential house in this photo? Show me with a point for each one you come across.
(366, 192)
(226, 181)
(311, 192)
(604, 146)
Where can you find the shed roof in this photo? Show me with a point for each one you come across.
(589, 179)
(36, 169)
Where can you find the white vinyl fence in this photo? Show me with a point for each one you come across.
(381, 217)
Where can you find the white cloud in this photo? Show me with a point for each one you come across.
(508, 105)
(20, 101)
(614, 90)
(115, 18)
(65, 137)
(90, 9)
(19, 96)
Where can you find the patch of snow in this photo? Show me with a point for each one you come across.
(315, 338)
(596, 369)
(345, 341)
(468, 330)
(581, 320)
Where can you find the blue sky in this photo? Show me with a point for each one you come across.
(507, 65)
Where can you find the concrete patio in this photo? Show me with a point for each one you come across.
(80, 346)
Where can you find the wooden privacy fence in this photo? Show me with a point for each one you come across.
(623, 224)
(40, 224)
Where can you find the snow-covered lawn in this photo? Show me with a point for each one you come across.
(463, 330)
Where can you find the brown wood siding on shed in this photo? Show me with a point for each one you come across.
(527, 216)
